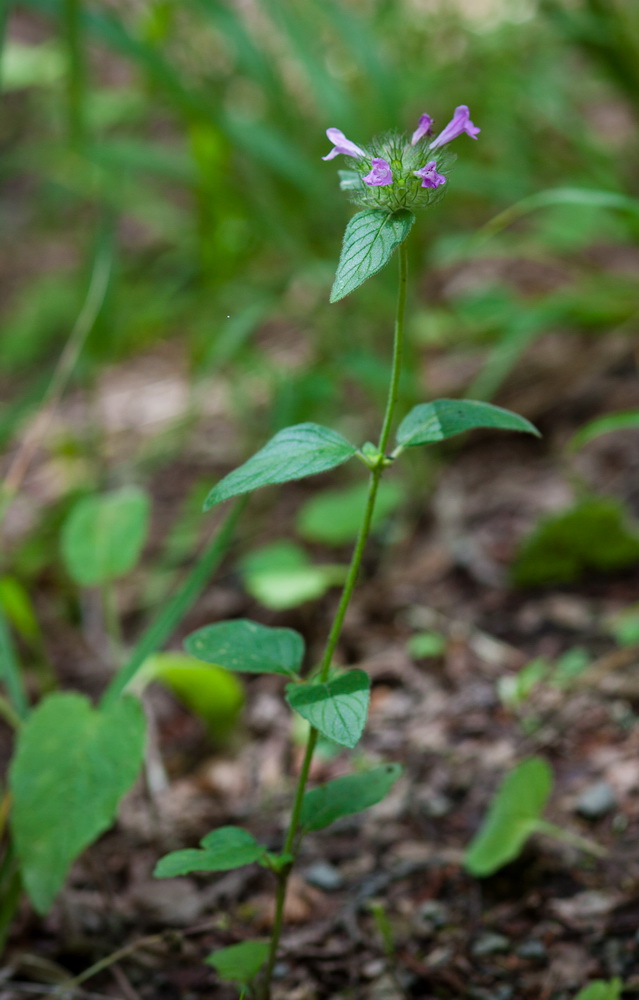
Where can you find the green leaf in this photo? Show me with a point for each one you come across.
(337, 708)
(444, 418)
(73, 764)
(369, 241)
(345, 796)
(281, 576)
(222, 849)
(240, 963)
(209, 691)
(295, 452)
(247, 646)
(513, 816)
(627, 419)
(333, 517)
(103, 536)
(601, 989)
(595, 534)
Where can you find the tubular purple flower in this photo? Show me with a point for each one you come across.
(341, 145)
(430, 177)
(381, 174)
(423, 128)
(459, 123)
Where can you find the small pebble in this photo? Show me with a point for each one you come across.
(532, 948)
(430, 916)
(490, 944)
(500, 993)
(435, 805)
(324, 876)
(596, 800)
(374, 968)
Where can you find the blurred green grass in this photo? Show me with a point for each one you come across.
(193, 132)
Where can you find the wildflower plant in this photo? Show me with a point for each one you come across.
(389, 179)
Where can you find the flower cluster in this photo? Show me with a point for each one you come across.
(397, 172)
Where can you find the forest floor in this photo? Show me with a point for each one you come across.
(381, 908)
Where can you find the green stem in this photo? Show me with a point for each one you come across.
(573, 839)
(112, 624)
(10, 672)
(376, 472)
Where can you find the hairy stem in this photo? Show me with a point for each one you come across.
(293, 837)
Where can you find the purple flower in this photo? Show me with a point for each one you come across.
(341, 145)
(423, 128)
(430, 177)
(381, 174)
(459, 123)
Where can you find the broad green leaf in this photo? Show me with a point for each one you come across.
(443, 418)
(239, 963)
(513, 816)
(103, 536)
(369, 241)
(73, 764)
(281, 576)
(426, 644)
(596, 534)
(627, 419)
(209, 691)
(334, 516)
(223, 849)
(344, 796)
(295, 452)
(247, 646)
(601, 989)
(337, 708)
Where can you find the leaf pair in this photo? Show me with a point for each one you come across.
(231, 847)
(337, 708)
(306, 449)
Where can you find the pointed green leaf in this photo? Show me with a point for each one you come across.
(223, 849)
(243, 645)
(369, 241)
(103, 535)
(338, 708)
(443, 418)
(345, 796)
(621, 421)
(72, 766)
(513, 816)
(295, 452)
(239, 963)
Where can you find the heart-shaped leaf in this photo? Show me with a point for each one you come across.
(73, 764)
(369, 241)
(243, 645)
(344, 796)
(222, 849)
(337, 708)
(513, 816)
(444, 418)
(103, 535)
(295, 452)
(239, 963)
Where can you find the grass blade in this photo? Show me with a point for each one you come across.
(173, 612)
